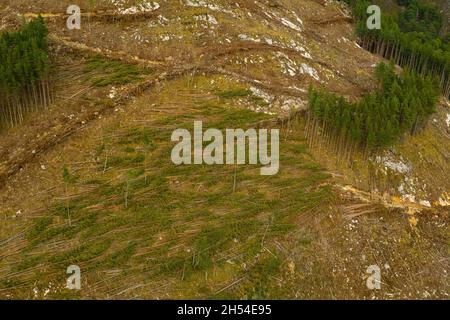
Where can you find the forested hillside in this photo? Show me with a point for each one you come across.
(24, 71)
(414, 37)
(402, 104)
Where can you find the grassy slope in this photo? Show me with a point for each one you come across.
(133, 216)
(140, 227)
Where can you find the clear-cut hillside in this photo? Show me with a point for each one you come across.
(90, 182)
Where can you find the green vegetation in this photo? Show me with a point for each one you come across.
(138, 217)
(401, 105)
(113, 72)
(234, 93)
(411, 38)
(24, 71)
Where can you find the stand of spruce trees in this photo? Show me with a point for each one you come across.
(412, 38)
(402, 104)
(24, 72)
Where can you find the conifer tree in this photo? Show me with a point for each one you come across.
(401, 105)
(414, 38)
(24, 69)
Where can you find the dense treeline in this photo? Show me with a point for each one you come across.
(411, 38)
(402, 104)
(23, 72)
